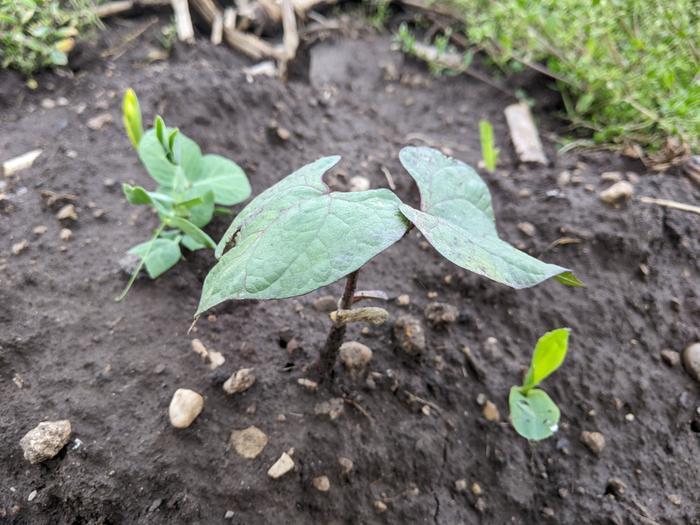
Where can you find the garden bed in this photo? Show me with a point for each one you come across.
(69, 351)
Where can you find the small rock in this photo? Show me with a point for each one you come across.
(20, 246)
(410, 335)
(611, 176)
(65, 234)
(492, 349)
(346, 464)
(248, 442)
(403, 300)
(595, 441)
(616, 487)
(359, 183)
(40, 230)
(281, 418)
(322, 483)
(241, 381)
(618, 192)
(432, 295)
(45, 440)
(670, 357)
(563, 179)
(691, 360)
(310, 385)
(326, 303)
(440, 314)
(527, 228)
(229, 515)
(283, 133)
(332, 408)
(476, 489)
(461, 485)
(97, 122)
(283, 465)
(48, 103)
(184, 408)
(67, 213)
(355, 356)
(547, 512)
(675, 499)
(379, 506)
(32, 495)
(154, 505)
(480, 505)
(199, 348)
(490, 412)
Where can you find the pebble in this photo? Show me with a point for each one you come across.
(45, 440)
(691, 360)
(670, 357)
(20, 246)
(615, 486)
(403, 300)
(310, 385)
(283, 465)
(229, 515)
(675, 499)
(527, 228)
(595, 441)
(480, 505)
(241, 381)
(97, 122)
(346, 464)
(461, 485)
(490, 412)
(618, 192)
(380, 506)
(355, 356)
(322, 483)
(359, 183)
(492, 349)
(184, 408)
(326, 303)
(248, 442)
(410, 335)
(563, 179)
(67, 213)
(32, 495)
(283, 133)
(440, 314)
(65, 234)
(40, 230)
(476, 489)
(332, 408)
(611, 176)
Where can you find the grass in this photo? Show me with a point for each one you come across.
(628, 70)
(35, 34)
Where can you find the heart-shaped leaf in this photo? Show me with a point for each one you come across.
(224, 178)
(158, 255)
(298, 236)
(534, 415)
(548, 356)
(456, 217)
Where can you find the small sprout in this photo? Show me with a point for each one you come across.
(489, 151)
(298, 236)
(534, 415)
(190, 185)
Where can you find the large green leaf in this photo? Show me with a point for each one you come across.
(200, 214)
(186, 154)
(224, 178)
(534, 415)
(548, 356)
(456, 217)
(298, 236)
(158, 255)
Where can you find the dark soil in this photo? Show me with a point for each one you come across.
(111, 368)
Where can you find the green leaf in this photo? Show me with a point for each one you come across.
(159, 255)
(136, 195)
(489, 152)
(131, 116)
(191, 230)
(549, 354)
(154, 156)
(192, 245)
(457, 219)
(298, 236)
(224, 177)
(199, 214)
(534, 415)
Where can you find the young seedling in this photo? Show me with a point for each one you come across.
(533, 414)
(489, 151)
(298, 236)
(190, 185)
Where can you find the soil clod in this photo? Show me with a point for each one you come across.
(45, 440)
(249, 442)
(240, 381)
(595, 441)
(439, 315)
(410, 335)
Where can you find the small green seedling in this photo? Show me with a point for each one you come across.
(190, 185)
(489, 151)
(298, 236)
(533, 414)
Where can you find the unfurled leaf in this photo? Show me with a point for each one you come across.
(191, 230)
(549, 354)
(223, 177)
(534, 415)
(298, 236)
(456, 217)
(158, 255)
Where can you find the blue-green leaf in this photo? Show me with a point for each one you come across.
(159, 255)
(534, 415)
(191, 230)
(223, 177)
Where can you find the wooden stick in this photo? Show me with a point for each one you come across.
(304, 6)
(671, 204)
(217, 29)
(183, 21)
(523, 133)
(119, 7)
(291, 35)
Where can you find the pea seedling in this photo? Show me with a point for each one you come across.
(489, 151)
(533, 413)
(190, 185)
(298, 236)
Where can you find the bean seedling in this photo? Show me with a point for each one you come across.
(533, 413)
(298, 236)
(190, 185)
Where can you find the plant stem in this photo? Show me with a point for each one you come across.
(329, 352)
(141, 263)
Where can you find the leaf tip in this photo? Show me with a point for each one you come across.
(568, 278)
